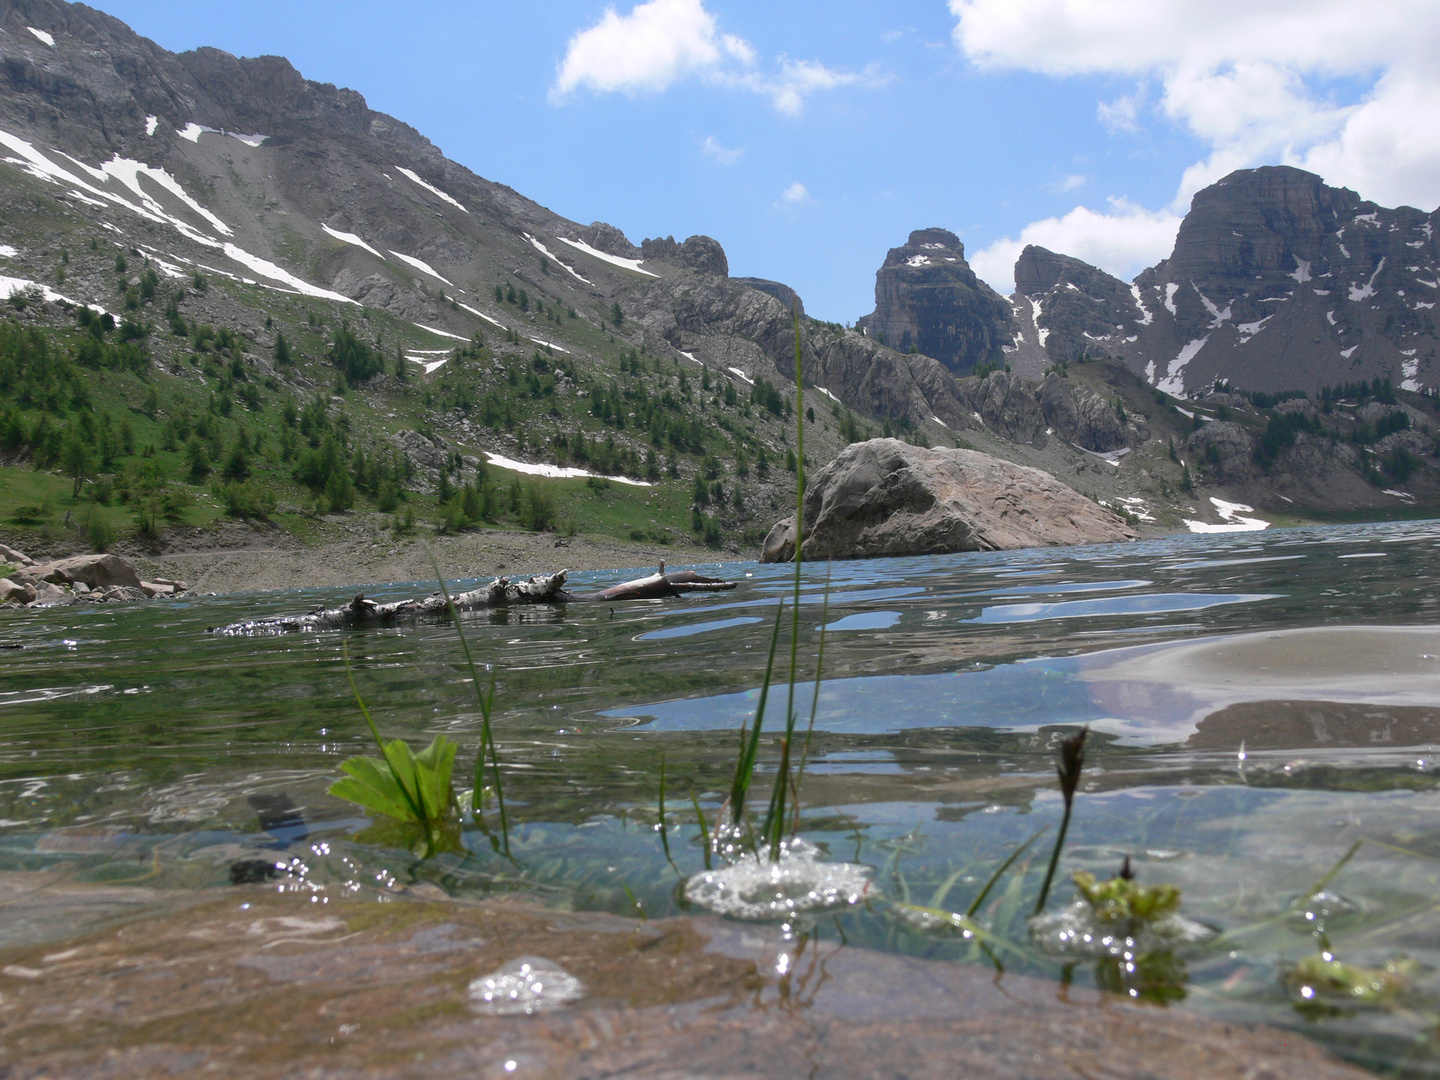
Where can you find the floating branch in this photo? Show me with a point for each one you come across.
(502, 592)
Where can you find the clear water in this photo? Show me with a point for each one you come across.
(1258, 702)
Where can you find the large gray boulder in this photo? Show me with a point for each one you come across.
(96, 571)
(885, 497)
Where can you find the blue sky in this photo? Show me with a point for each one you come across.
(810, 137)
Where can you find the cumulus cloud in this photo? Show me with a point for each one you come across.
(1122, 240)
(1248, 77)
(796, 194)
(647, 50)
(712, 148)
(664, 41)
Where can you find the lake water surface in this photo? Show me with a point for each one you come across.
(1258, 702)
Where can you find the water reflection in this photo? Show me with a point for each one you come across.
(1258, 702)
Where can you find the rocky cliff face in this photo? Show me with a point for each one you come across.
(928, 300)
(1277, 281)
(1068, 310)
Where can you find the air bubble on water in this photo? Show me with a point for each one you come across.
(1319, 909)
(755, 888)
(525, 986)
(1075, 931)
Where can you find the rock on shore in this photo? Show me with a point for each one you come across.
(98, 578)
(886, 498)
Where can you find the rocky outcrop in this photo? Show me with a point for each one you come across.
(609, 239)
(1080, 416)
(782, 292)
(699, 253)
(98, 578)
(888, 498)
(95, 571)
(928, 300)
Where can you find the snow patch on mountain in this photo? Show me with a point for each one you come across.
(604, 256)
(1174, 381)
(437, 333)
(1364, 292)
(1145, 317)
(47, 38)
(1301, 273)
(268, 269)
(429, 187)
(424, 267)
(547, 253)
(351, 238)
(151, 123)
(9, 286)
(1171, 288)
(193, 131)
(556, 472)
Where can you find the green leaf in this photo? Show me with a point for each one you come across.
(433, 768)
(372, 785)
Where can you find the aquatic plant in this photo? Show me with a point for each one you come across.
(416, 788)
(1320, 979)
(1122, 899)
(400, 784)
(1069, 765)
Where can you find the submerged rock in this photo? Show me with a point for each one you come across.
(286, 987)
(888, 498)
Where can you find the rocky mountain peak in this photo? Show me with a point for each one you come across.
(928, 300)
(927, 243)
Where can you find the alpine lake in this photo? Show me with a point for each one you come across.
(1258, 704)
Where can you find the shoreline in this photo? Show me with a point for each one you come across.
(362, 557)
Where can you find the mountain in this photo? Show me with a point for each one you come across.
(1277, 282)
(232, 290)
(928, 300)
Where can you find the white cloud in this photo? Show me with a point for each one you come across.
(663, 41)
(1122, 241)
(656, 44)
(796, 194)
(1122, 114)
(713, 148)
(1068, 182)
(798, 79)
(1247, 77)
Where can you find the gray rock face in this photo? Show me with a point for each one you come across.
(1279, 281)
(928, 300)
(609, 239)
(888, 498)
(782, 292)
(699, 253)
(13, 592)
(1080, 416)
(1082, 311)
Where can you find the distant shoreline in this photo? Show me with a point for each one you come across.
(362, 557)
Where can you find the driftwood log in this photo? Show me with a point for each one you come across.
(502, 592)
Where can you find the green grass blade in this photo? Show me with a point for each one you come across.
(704, 832)
(487, 735)
(745, 765)
(999, 871)
(664, 837)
